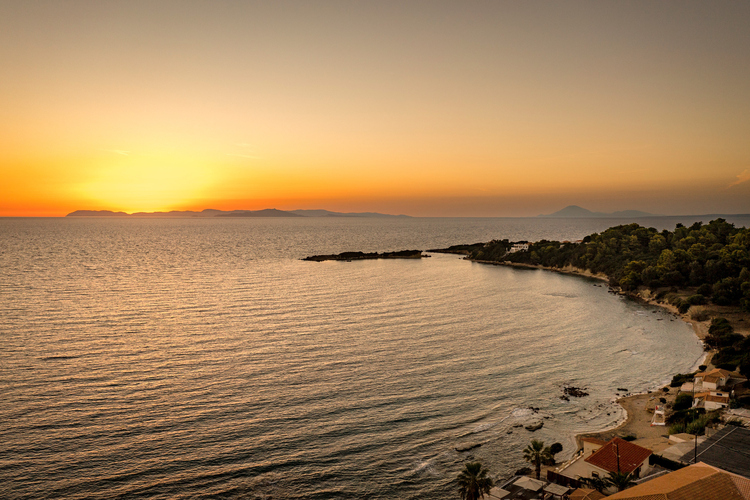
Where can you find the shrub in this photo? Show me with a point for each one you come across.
(699, 314)
(685, 416)
(680, 379)
(683, 402)
(735, 421)
(678, 428)
(629, 437)
(697, 300)
(720, 326)
(698, 426)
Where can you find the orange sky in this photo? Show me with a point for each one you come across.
(424, 108)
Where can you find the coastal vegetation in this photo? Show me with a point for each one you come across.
(616, 480)
(474, 482)
(346, 256)
(620, 480)
(733, 349)
(537, 454)
(680, 378)
(692, 421)
(459, 249)
(711, 260)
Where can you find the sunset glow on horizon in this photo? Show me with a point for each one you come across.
(421, 108)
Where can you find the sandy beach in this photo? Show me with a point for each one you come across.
(639, 408)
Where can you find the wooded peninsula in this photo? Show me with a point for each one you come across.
(702, 270)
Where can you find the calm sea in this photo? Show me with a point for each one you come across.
(176, 358)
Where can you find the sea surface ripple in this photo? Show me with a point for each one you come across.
(185, 358)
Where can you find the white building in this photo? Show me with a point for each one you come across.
(711, 380)
(711, 400)
(521, 246)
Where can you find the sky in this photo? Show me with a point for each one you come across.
(425, 108)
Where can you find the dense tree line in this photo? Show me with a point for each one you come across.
(714, 258)
(733, 349)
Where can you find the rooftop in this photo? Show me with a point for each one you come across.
(716, 372)
(518, 488)
(728, 449)
(585, 494)
(619, 454)
(696, 482)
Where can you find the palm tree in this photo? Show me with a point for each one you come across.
(620, 480)
(473, 482)
(536, 453)
(595, 483)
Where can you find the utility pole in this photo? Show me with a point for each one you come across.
(617, 453)
(695, 443)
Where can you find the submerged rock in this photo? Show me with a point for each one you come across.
(576, 392)
(534, 427)
(467, 447)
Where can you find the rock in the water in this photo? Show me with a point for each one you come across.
(522, 472)
(576, 392)
(467, 447)
(535, 426)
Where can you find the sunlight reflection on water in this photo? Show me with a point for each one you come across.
(162, 358)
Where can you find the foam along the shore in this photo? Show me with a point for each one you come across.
(637, 409)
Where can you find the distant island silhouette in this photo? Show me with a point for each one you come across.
(574, 211)
(350, 256)
(209, 212)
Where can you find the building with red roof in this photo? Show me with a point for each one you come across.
(599, 459)
(619, 455)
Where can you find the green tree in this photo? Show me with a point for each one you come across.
(683, 401)
(620, 480)
(473, 482)
(536, 453)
